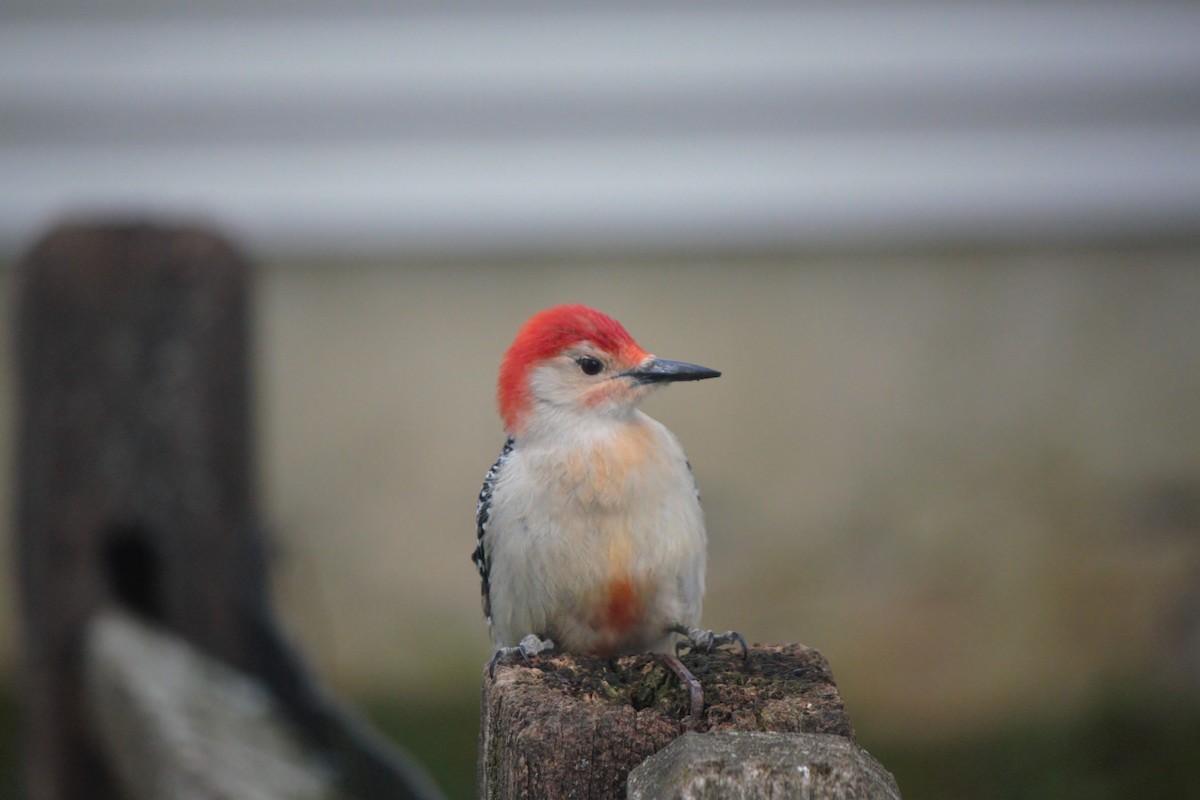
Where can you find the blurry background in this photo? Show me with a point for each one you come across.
(945, 255)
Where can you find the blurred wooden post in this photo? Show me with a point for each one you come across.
(135, 486)
(574, 727)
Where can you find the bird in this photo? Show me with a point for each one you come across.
(590, 534)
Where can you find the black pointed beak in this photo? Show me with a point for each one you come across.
(660, 370)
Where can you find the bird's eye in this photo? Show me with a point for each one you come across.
(590, 366)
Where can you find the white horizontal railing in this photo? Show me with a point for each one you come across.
(509, 127)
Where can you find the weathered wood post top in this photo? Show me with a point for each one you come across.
(578, 727)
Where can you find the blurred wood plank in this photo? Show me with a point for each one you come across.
(176, 724)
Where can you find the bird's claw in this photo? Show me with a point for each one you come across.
(701, 640)
(530, 645)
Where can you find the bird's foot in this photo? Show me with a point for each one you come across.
(695, 693)
(530, 645)
(701, 640)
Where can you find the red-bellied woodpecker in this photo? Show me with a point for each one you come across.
(591, 537)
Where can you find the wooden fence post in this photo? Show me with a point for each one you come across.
(577, 727)
(135, 485)
(753, 765)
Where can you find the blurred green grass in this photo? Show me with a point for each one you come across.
(442, 737)
(1123, 745)
(8, 743)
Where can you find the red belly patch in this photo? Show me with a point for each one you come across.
(622, 609)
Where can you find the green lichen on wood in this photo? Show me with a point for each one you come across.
(780, 688)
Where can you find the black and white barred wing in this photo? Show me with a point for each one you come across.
(483, 509)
